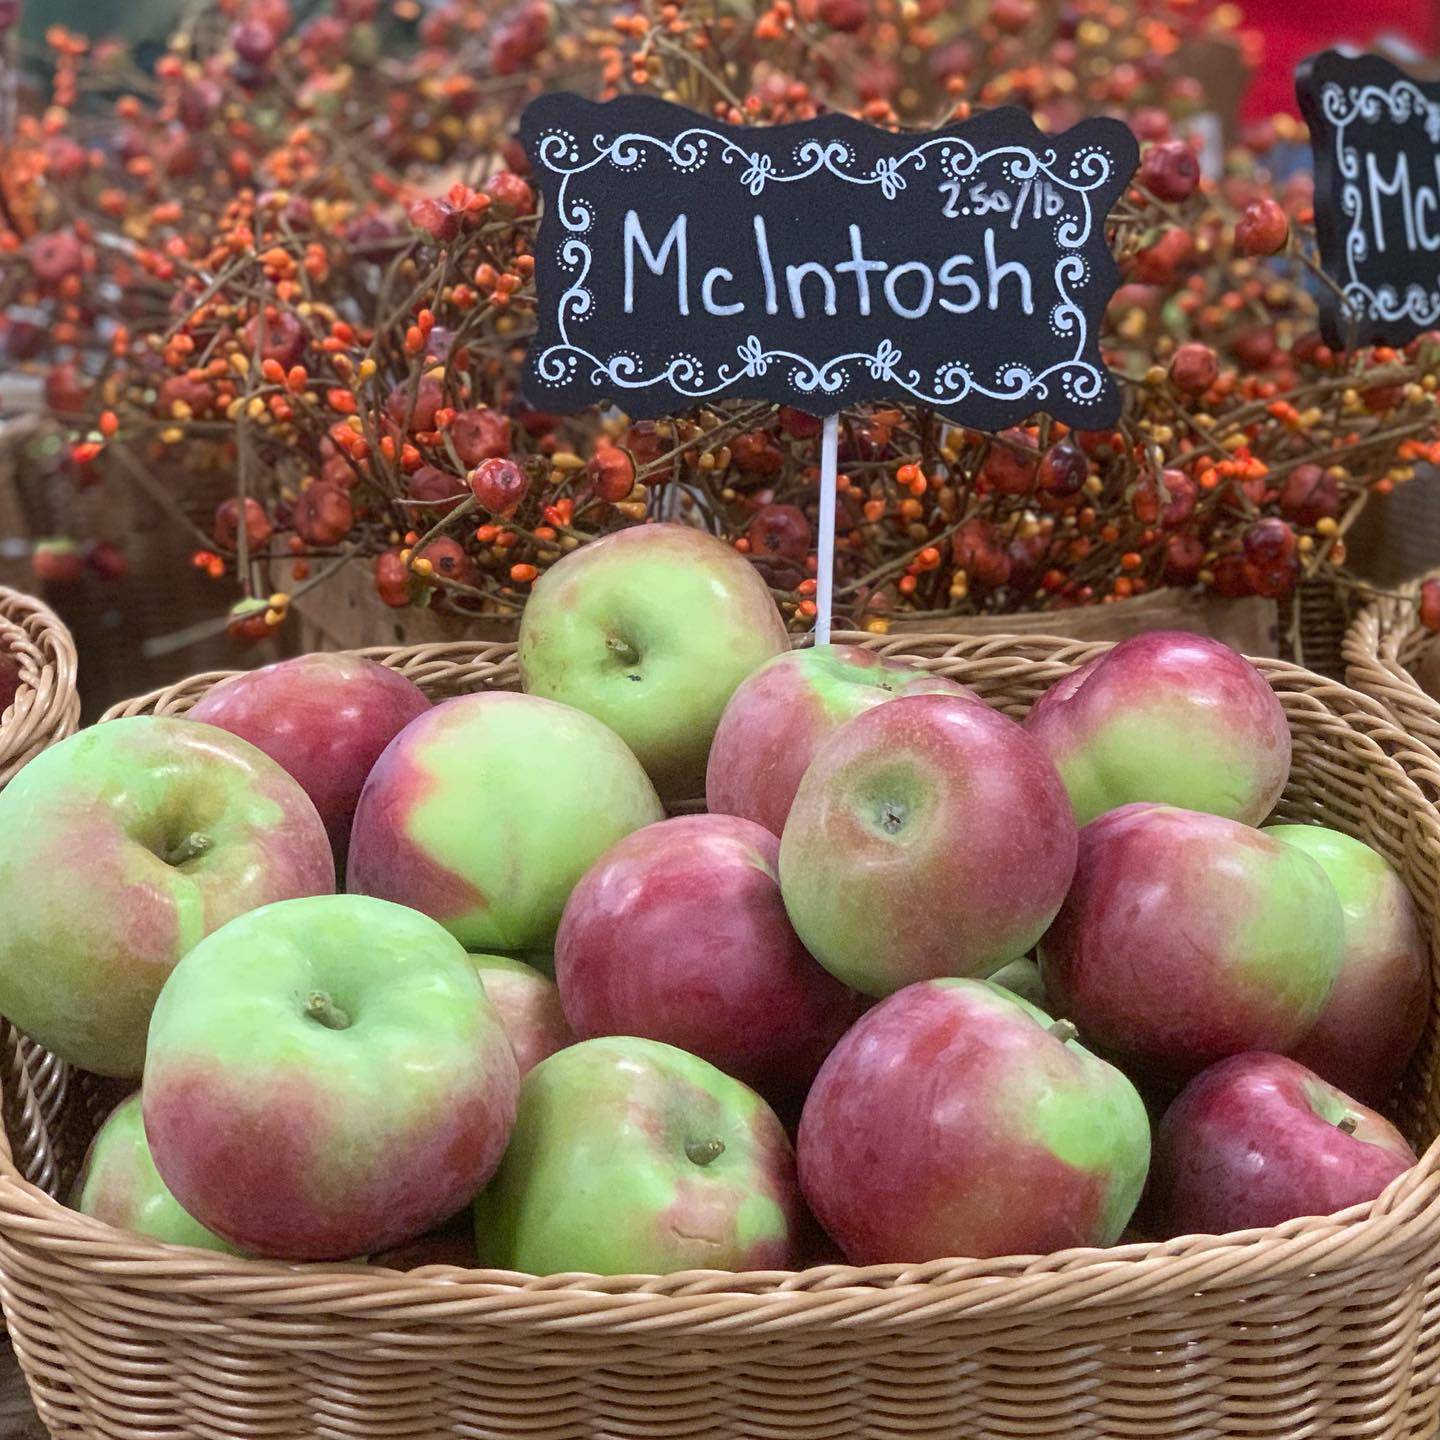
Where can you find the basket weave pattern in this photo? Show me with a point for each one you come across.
(1381, 648)
(1318, 1328)
(46, 708)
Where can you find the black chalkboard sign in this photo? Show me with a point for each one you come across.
(1376, 137)
(682, 260)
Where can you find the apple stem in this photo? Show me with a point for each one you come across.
(1348, 1123)
(191, 847)
(320, 1007)
(702, 1152)
(1063, 1030)
(623, 651)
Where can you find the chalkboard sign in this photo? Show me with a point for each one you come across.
(682, 261)
(1376, 137)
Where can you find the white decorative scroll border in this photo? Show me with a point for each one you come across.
(1403, 101)
(1082, 382)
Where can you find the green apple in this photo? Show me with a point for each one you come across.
(120, 1185)
(651, 630)
(630, 1156)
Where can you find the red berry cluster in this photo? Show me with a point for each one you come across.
(295, 254)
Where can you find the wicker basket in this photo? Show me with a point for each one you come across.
(1319, 1328)
(46, 708)
(1382, 648)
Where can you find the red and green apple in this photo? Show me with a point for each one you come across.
(486, 810)
(1375, 1015)
(324, 719)
(1187, 937)
(678, 933)
(651, 630)
(326, 1079)
(782, 714)
(632, 1157)
(126, 845)
(1258, 1139)
(930, 836)
(529, 1007)
(1171, 718)
(120, 1185)
(958, 1119)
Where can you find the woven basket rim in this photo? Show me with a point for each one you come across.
(1372, 650)
(1403, 1221)
(46, 707)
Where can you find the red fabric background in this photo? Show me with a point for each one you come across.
(1294, 29)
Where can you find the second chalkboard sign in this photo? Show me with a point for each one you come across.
(1376, 137)
(682, 260)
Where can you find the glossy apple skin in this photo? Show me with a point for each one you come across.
(781, 715)
(1187, 937)
(930, 836)
(93, 916)
(485, 811)
(1255, 1140)
(529, 1008)
(952, 1121)
(299, 1141)
(1375, 1015)
(651, 630)
(324, 719)
(598, 1177)
(120, 1185)
(679, 934)
(1170, 718)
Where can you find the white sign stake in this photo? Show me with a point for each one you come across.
(825, 551)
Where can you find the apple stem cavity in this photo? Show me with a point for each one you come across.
(1348, 1123)
(1063, 1030)
(702, 1152)
(324, 1011)
(892, 817)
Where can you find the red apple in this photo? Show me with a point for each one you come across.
(1258, 1139)
(678, 933)
(529, 1007)
(784, 712)
(930, 836)
(1374, 1017)
(1187, 937)
(324, 718)
(957, 1119)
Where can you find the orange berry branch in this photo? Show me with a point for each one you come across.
(301, 257)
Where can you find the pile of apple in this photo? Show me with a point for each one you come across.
(839, 951)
